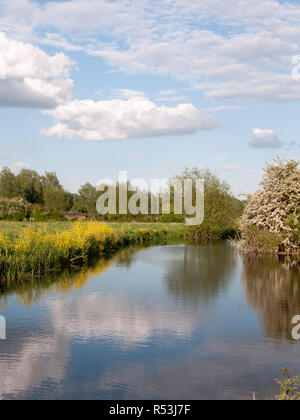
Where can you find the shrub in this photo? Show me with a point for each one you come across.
(40, 214)
(221, 208)
(271, 218)
(12, 209)
(289, 387)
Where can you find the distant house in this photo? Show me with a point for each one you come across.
(72, 215)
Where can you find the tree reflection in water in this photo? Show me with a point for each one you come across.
(201, 273)
(272, 286)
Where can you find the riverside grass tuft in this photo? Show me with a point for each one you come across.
(36, 251)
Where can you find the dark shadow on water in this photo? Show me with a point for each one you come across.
(272, 286)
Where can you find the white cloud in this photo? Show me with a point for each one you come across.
(255, 56)
(248, 58)
(121, 119)
(18, 166)
(170, 95)
(262, 88)
(265, 139)
(128, 93)
(225, 108)
(173, 99)
(168, 92)
(32, 79)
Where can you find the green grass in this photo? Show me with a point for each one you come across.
(13, 229)
(34, 249)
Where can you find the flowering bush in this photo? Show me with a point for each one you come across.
(272, 215)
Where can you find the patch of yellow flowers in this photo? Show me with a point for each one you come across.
(74, 242)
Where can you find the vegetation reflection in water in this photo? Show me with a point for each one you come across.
(30, 292)
(200, 273)
(272, 286)
(148, 316)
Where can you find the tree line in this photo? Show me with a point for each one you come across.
(29, 194)
(42, 197)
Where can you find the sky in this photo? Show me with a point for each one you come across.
(92, 87)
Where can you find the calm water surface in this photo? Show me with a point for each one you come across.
(168, 322)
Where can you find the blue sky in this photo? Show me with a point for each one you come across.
(92, 87)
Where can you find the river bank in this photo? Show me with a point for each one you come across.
(45, 248)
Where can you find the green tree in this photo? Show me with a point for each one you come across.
(8, 186)
(54, 195)
(221, 208)
(86, 199)
(29, 186)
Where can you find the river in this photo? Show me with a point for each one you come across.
(166, 322)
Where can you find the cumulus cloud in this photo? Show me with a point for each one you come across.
(32, 78)
(248, 58)
(265, 139)
(122, 119)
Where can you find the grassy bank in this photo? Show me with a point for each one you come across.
(43, 248)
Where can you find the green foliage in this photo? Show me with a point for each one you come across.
(54, 196)
(46, 199)
(43, 197)
(222, 209)
(13, 228)
(8, 188)
(261, 241)
(172, 218)
(40, 214)
(29, 186)
(289, 387)
(33, 250)
(85, 201)
(12, 209)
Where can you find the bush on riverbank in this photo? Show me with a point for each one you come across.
(221, 209)
(271, 221)
(35, 252)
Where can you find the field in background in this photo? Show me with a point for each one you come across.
(13, 229)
